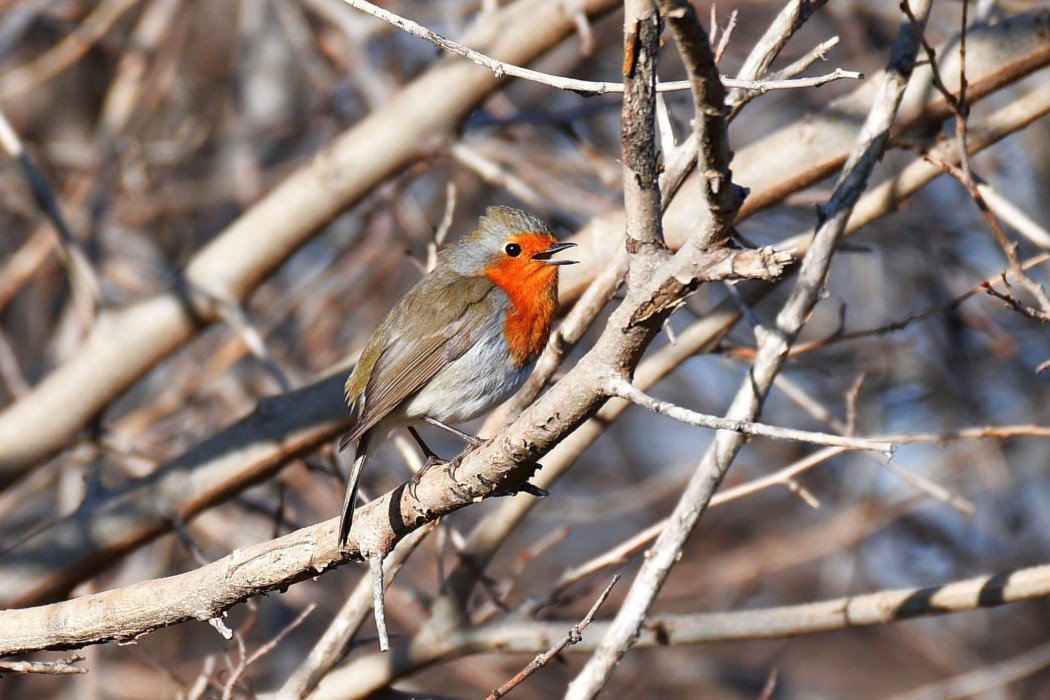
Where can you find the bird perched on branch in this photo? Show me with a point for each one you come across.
(461, 341)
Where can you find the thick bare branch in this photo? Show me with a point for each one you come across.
(773, 346)
(370, 673)
(127, 343)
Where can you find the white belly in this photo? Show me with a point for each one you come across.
(458, 394)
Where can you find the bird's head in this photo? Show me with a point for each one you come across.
(507, 244)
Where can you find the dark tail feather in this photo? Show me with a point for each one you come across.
(345, 441)
(350, 501)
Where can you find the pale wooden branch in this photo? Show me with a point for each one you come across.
(368, 674)
(773, 346)
(83, 543)
(883, 607)
(51, 668)
(127, 343)
(643, 236)
(625, 390)
(585, 87)
(203, 594)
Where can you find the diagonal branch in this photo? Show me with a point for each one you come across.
(711, 125)
(773, 347)
(625, 390)
(127, 343)
(584, 87)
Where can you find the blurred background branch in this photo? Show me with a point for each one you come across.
(281, 166)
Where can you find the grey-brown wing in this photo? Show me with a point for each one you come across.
(455, 315)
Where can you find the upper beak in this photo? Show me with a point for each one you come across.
(545, 255)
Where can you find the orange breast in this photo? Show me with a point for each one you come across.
(532, 287)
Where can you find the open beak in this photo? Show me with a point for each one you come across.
(545, 255)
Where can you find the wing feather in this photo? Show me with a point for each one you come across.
(435, 326)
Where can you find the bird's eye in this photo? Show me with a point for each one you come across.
(513, 250)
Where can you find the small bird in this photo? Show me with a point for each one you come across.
(461, 341)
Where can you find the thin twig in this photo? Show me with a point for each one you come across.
(24, 78)
(723, 42)
(441, 232)
(588, 87)
(768, 47)
(622, 552)
(982, 680)
(574, 636)
(82, 276)
(625, 390)
(331, 647)
(235, 317)
(1014, 216)
(817, 53)
(56, 668)
(238, 671)
(966, 179)
(375, 569)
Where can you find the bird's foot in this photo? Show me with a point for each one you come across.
(472, 444)
(432, 461)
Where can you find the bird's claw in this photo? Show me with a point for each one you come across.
(432, 461)
(454, 464)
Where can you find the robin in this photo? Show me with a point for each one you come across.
(461, 341)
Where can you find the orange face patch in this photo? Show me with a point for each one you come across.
(532, 286)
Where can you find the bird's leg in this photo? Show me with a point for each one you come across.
(472, 440)
(424, 447)
(473, 443)
(432, 461)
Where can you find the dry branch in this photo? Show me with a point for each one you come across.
(368, 674)
(773, 347)
(89, 540)
(127, 343)
(811, 149)
(584, 87)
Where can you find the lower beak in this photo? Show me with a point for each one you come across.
(545, 255)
